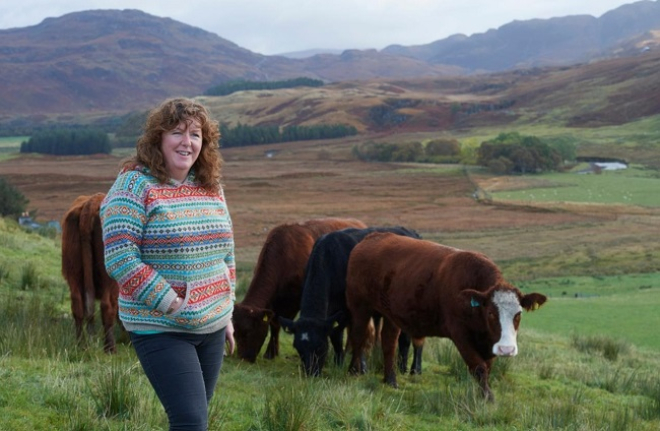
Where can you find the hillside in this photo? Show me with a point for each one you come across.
(537, 43)
(609, 92)
(95, 65)
(106, 61)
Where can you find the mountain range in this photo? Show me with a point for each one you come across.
(104, 63)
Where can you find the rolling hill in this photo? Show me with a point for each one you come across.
(609, 92)
(94, 66)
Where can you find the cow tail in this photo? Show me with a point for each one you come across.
(72, 256)
(87, 219)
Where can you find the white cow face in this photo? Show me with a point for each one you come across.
(508, 311)
(500, 309)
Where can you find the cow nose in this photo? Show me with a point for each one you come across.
(506, 350)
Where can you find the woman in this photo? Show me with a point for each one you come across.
(169, 244)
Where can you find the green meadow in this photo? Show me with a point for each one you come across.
(11, 143)
(588, 361)
(632, 186)
(622, 307)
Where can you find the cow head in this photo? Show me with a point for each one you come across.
(250, 330)
(310, 338)
(497, 312)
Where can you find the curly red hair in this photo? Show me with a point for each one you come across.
(168, 116)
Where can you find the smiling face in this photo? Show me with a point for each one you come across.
(181, 147)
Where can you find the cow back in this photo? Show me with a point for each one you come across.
(280, 268)
(324, 288)
(410, 280)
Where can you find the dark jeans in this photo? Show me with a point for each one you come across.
(183, 370)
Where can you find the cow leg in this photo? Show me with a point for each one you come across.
(357, 335)
(479, 368)
(403, 352)
(388, 338)
(272, 349)
(480, 372)
(337, 340)
(77, 311)
(418, 348)
(108, 315)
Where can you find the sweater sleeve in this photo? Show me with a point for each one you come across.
(123, 218)
(230, 258)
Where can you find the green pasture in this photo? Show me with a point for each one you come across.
(10, 145)
(564, 377)
(12, 142)
(632, 186)
(621, 307)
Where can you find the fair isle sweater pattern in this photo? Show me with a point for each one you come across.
(168, 240)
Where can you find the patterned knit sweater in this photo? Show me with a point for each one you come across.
(164, 240)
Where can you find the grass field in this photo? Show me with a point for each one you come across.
(632, 186)
(586, 363)
(12, 142)
(10, 146)
(620, 307)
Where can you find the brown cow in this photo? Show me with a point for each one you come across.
(84, 270)
(430, 290)
(276, 285)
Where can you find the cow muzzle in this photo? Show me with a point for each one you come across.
(505, 350)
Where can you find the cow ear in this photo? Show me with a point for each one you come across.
(288, 325)
(334, 320)
(268, 316)
(532, 301)
(471, 298)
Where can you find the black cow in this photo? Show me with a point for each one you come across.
(323, 310)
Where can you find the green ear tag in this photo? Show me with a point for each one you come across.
(474, 303)
(265, 318)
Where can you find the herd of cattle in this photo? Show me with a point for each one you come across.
(384, 285)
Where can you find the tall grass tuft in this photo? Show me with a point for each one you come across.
(554, 413)
(620, 420)
(29, 278)
(218, 413)
(444, 352)
(649, 407)
(113, 393)
(4, 272)
(287, 409)
(610, 349)
(34, 328)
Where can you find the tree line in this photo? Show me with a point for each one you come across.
(442, 150)
(243, 135)
(508, 153)
(64, 142)
(230, 87)
(513, 153)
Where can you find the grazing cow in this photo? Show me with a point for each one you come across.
(323, 311)
(428, 289)
(84, 270)
(276, 284)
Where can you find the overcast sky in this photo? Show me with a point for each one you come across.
(281, 26)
